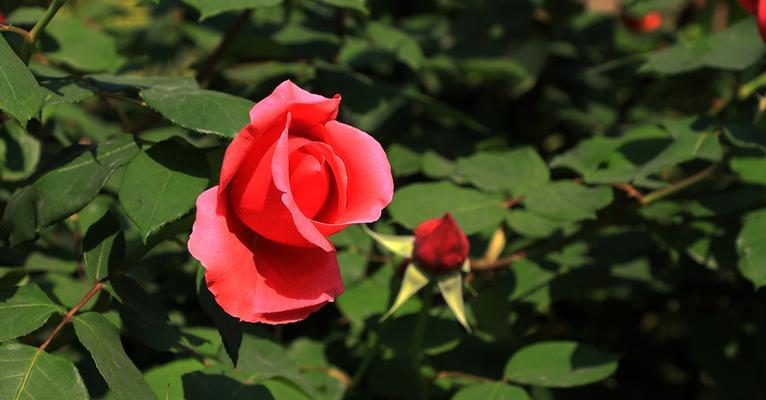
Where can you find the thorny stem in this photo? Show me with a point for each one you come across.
(37, 30)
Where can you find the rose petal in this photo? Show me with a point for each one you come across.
(749, 5)
(280, 170)
(370, 184)
(309, 182)
(254, 279)
(307, 109)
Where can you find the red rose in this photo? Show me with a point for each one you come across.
(647, 23)
(2, 18)
(440, 245)
(757, 8)
(290, 179)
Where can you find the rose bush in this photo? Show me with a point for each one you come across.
(292, 177)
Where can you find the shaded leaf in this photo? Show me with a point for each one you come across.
(209, 8)
(102, 339)
(751, 247)
(736, 48)
(66, 188)
(103, 247)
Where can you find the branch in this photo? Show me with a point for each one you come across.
(37, 30)
(680, 185)
(462, 375)
(204, 73)
(68, 316)
(631, 191)
(15, 29)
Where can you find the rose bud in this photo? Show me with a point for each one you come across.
(650, 22)
(757, 8)
(440, 245)
(292, 177)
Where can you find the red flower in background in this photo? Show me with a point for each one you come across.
(757, 8)
(440, 245)
(289, 179)
(2, 18)
(645, 24)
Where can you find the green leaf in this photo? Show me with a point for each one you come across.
(473, 210)
(400, 44)
(201, 110)
(746, 136)
(103, 247)
(80, 46)
(751, 248)
(736, 48)
(65, 189)
(356, 5)
(204, 385)
(614, 159)
(102, 340)
(491, 391)
(367, 298)
(165, 379)
(116, 83)
(19, 152)
(20, 95)
(24, 309)
(750, 169)
(209, 8)
(59, 91)
(530, 224)
(404, 161)
(516, 171)
(689, 143)
(436, 166)
(28, 375)
(414, 279)
(560, 364)
(161, 184)
(568, 201)
(146, 318)
(260, 359)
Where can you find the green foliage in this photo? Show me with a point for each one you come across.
(20, 94)
(559, 364)
(29, 374)
(612, 184)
